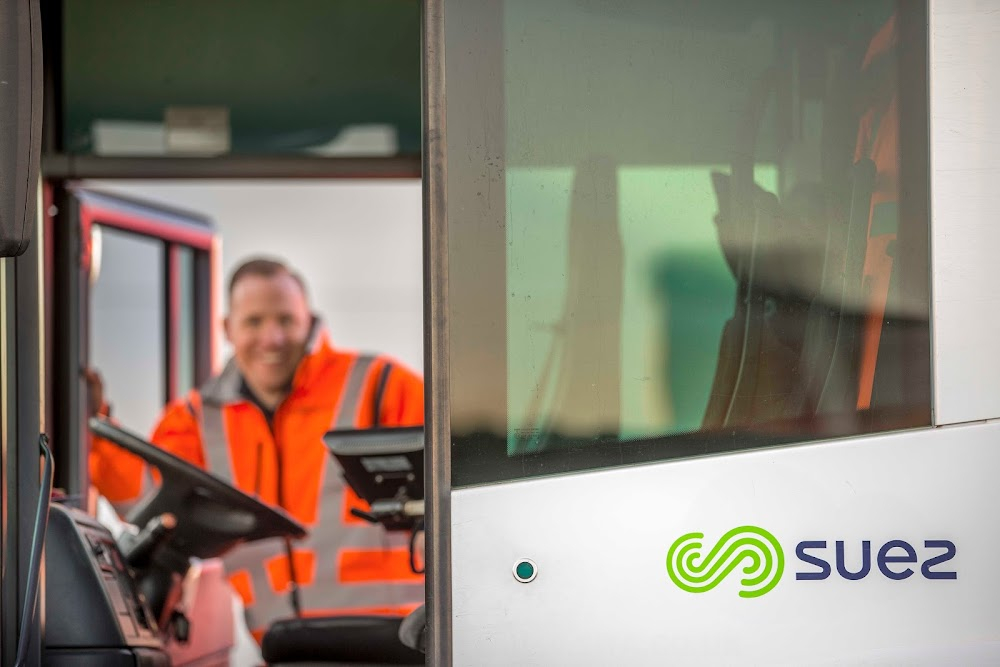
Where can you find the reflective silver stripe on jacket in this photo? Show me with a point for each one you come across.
(327, 592)
(217, 454)
(215, 394)
(345, 415)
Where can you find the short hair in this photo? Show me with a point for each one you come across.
(264, 267)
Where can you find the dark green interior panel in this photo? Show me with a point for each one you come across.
(292, 75)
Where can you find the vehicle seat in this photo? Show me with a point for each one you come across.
(338, 640)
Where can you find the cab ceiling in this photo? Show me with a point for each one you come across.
(291, 74)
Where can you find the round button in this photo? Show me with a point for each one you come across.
(525, 570)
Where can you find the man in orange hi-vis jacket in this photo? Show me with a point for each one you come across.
(259, 424)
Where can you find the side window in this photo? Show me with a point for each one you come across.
(686, 236)
(128, 324)
(151, 299)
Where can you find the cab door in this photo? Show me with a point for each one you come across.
(135, 296)
(685, 403)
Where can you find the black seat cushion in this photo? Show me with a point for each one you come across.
(346, 639)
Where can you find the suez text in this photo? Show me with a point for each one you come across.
(893, 559)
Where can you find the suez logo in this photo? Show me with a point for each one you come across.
(763, 560)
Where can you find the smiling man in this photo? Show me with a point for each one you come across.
(259, 425)
(268, 325)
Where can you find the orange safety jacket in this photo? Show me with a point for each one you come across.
(346, 565)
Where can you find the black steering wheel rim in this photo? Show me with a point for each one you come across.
(212, 515)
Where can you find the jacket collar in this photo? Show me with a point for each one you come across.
(225, 388)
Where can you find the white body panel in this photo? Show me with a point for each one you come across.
(965, 204)
(602, 595)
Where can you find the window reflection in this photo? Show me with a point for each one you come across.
(700, 225)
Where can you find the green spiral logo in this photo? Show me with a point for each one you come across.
(756, 549)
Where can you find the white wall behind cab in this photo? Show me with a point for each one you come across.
(356, 243)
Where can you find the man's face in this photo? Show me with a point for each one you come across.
(267, 325)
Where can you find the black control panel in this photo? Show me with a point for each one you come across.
(94, 614)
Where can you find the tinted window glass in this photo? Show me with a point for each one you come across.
(127, 325)
(674, 229)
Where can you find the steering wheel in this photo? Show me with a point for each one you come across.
(212, 515)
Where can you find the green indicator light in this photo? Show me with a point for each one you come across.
(525, 570)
